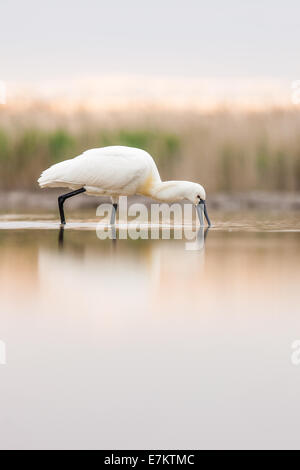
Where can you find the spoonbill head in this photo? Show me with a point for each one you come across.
(119, 171)
(170, 191)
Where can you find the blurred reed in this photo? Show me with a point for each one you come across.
(224, 151)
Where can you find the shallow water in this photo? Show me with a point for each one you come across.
(149, 343)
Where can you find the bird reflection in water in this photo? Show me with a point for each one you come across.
(197, 245)
(61, 235)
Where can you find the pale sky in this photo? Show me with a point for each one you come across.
(191, 38)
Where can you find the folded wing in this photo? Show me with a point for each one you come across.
(109, 169)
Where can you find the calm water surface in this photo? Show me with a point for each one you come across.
(149, 343)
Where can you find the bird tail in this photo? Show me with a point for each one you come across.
(50, 178)
(44, 180)
(55, 177)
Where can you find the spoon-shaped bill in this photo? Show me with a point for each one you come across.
(201, 208)
(206, 215)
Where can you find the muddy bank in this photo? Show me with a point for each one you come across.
(47, 200)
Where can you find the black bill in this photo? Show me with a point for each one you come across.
(201, 209)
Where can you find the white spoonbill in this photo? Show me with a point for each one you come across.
(119, 171)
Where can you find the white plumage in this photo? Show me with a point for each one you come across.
(117, 171)
(108, 170)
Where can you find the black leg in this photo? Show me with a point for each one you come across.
(113, 214)
(61, 201)
(61, 236)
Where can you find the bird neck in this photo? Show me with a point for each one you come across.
(167, 191)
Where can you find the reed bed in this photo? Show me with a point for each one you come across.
(225, 151)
